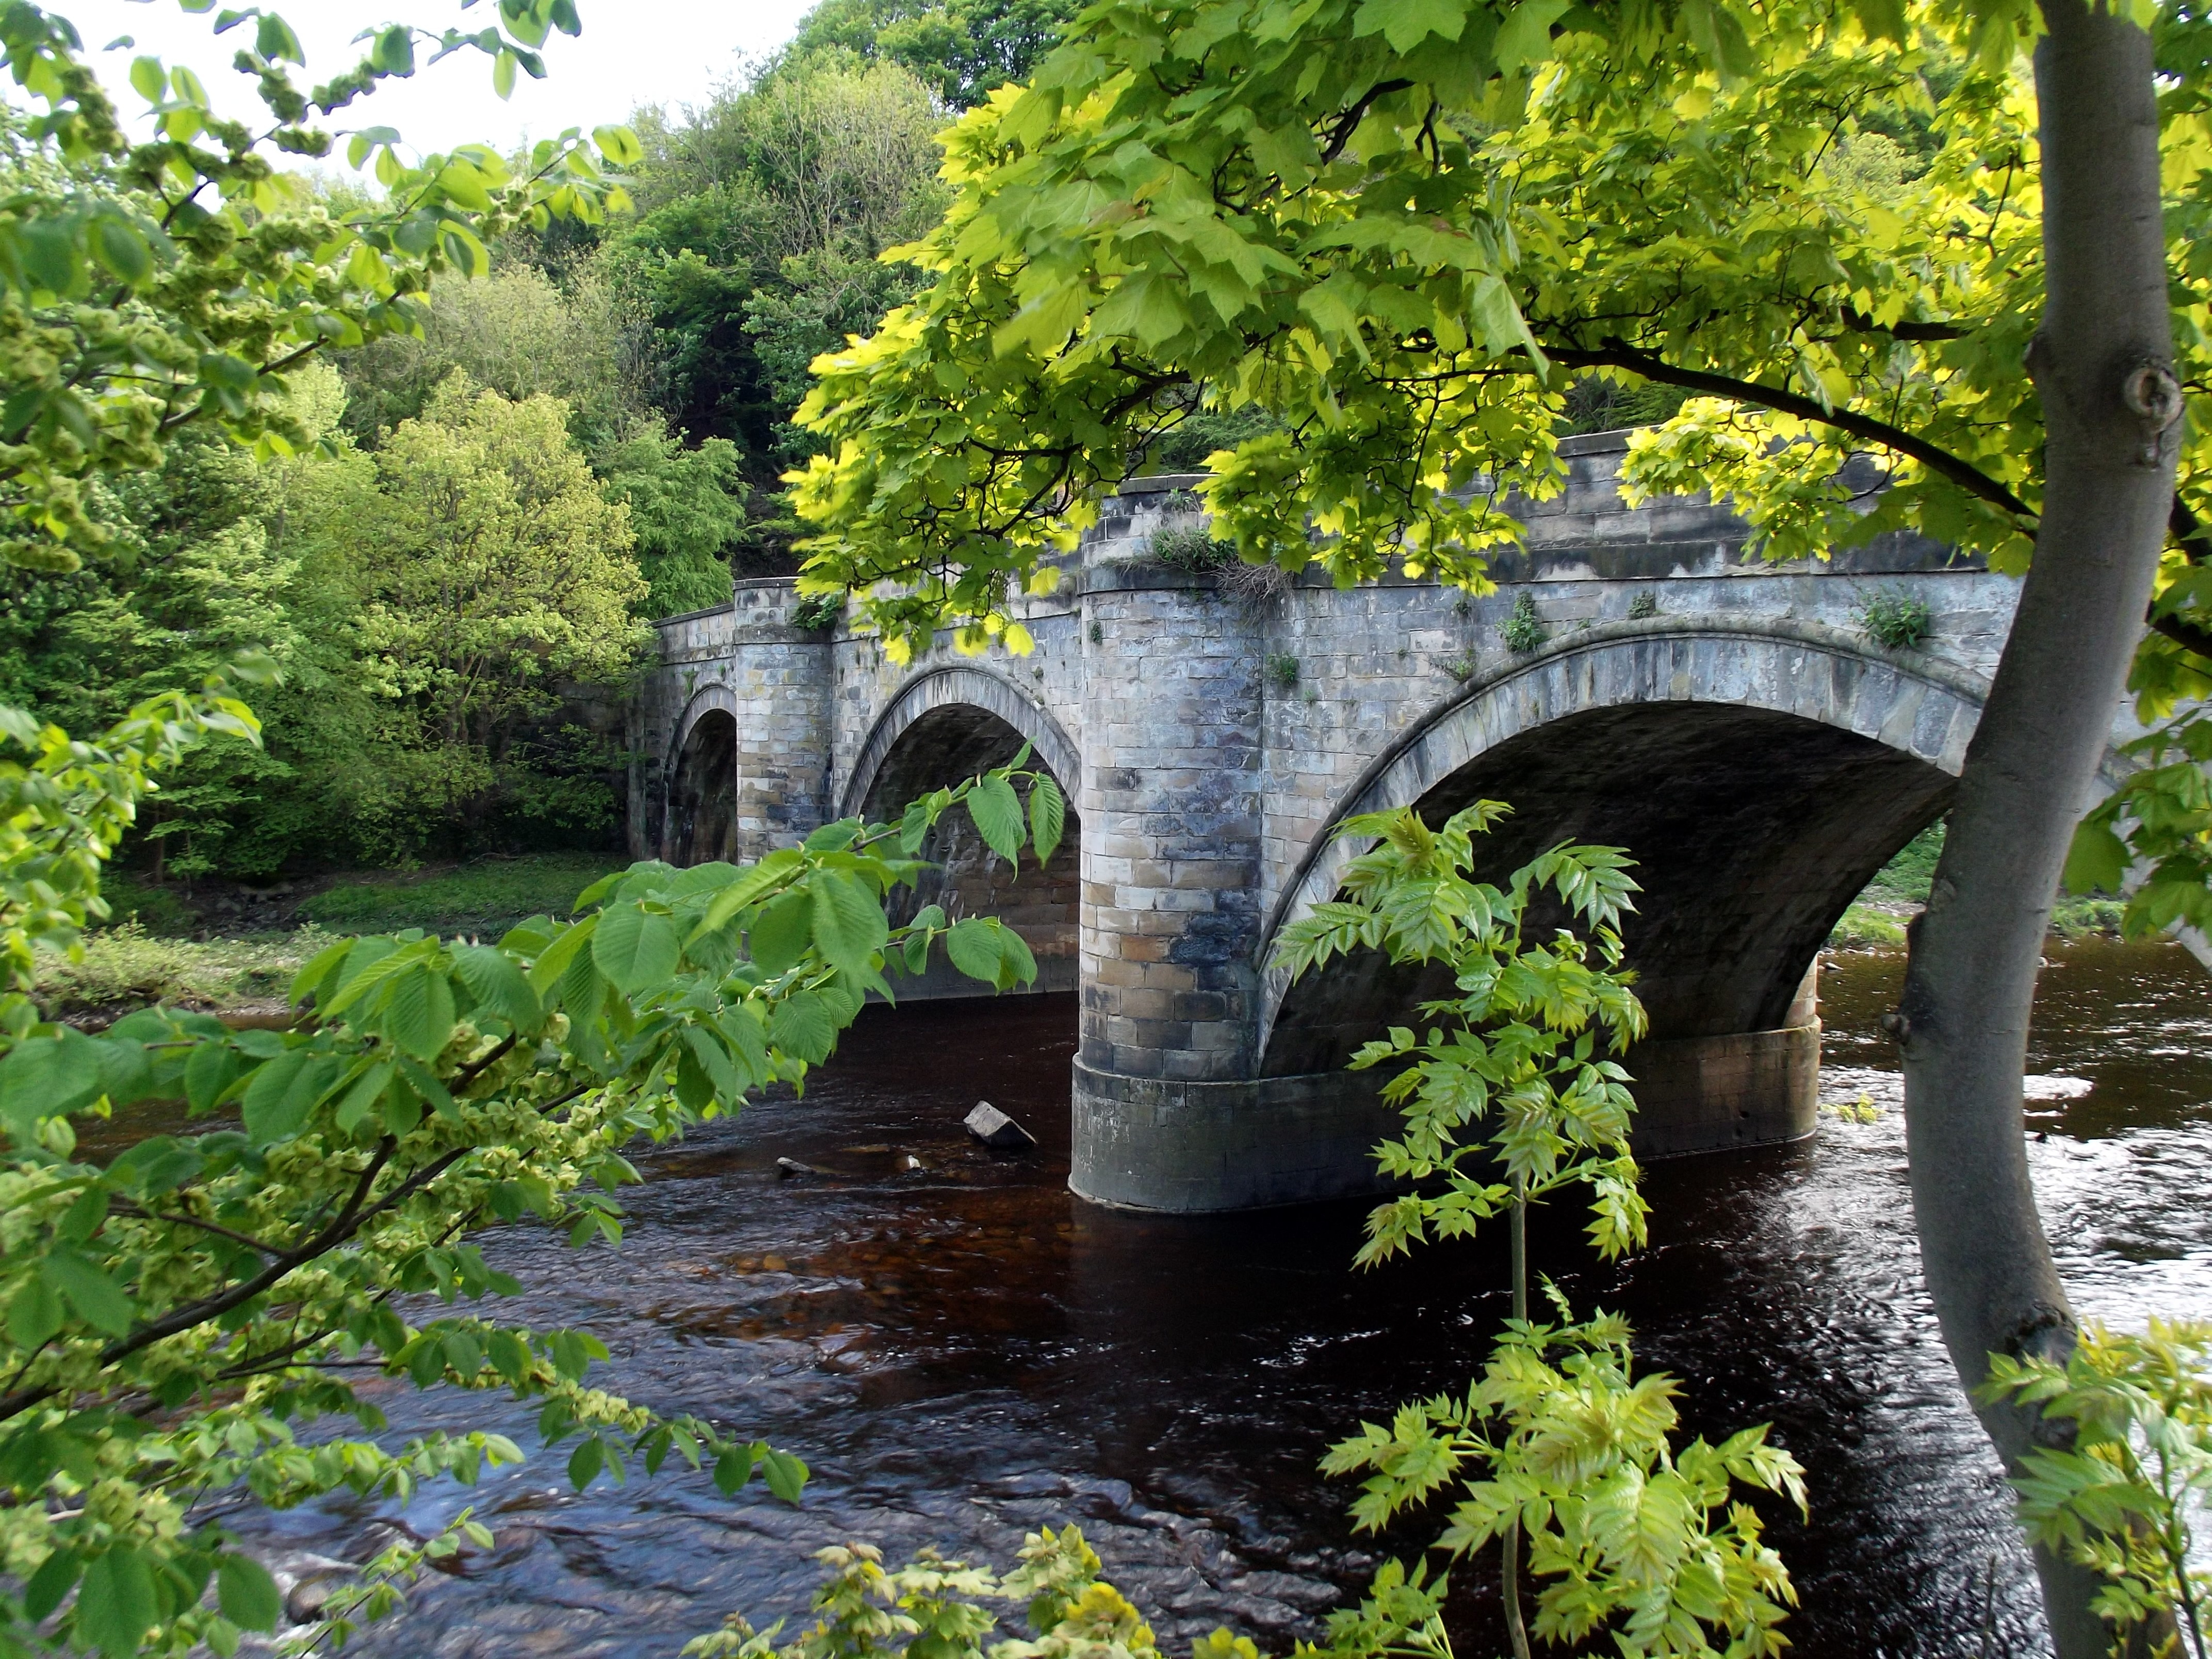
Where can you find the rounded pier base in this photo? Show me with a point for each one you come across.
(1710, 1093)
(1148, 1143)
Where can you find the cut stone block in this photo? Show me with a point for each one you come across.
(997, 1131)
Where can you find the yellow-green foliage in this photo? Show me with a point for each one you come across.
(2128, 1499)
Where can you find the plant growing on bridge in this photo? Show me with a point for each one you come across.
(1521, 630)
(1898, 619)
(1511, 1093)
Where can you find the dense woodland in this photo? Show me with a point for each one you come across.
(591, 435)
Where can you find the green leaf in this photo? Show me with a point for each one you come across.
(46, 1076)
(848, 920)
(115, 1607)
(283, 1091)
(98, 1299)
(36, 1314)
(803, 1025)
(2097, 861)
(418, 1017)
(362, 1098)
(1047, 818)
(781, 932)
(733, 1469)
(120, 246)
(246, 1592)
(635, 948)
(714, 1059)
(318, 968)
(210, 1069)
(499, 985)
(998, 815)
(973, 946)
(585, 1463)
(1526, 35)
(785, 1474)
(1405, 23)
(55, 1578)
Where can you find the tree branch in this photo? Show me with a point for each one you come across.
(1619, 354)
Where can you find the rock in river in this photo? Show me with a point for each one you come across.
(997, 1131)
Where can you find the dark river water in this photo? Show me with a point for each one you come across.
(965, 1351)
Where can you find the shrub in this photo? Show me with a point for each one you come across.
(1645, 603)
(1283, 672)
(1897, 619)
(1521, 631)
(818, 612)
(1191, 548)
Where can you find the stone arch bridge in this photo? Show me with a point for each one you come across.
(1731, 723)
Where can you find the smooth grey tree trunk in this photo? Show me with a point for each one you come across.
(2102, 364)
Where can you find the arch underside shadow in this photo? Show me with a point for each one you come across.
(1751, 830)
(703, 791)
(940, 746)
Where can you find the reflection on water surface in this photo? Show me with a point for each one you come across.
(964, 1351)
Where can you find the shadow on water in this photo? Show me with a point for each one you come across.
(964, 1352)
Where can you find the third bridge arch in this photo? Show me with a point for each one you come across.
(1753, 749)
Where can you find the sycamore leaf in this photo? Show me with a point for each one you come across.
(1405, 23)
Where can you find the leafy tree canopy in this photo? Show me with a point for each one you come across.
(1403, 229)
(961, 50)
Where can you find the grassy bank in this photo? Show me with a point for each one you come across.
(1876, 919)
(233, 950)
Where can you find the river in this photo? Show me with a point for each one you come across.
(965, 1351)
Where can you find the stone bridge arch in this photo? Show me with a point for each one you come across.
(700, 818)
(1760, 774)
(944, 725)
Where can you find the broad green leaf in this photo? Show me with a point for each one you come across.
(782, 931)
(116, 1605)
(246, 1592)
(785, 1474)
(802, 1024)
(98, 1299)
(972, 946)
(418, 1015)
(848, 920)
(499, 985)
(635, 948)
(1525, 37)
(1047, 818)
(36, 1314)
(749, 884)
(1405, 23)
(45, 1076)
(998, 815)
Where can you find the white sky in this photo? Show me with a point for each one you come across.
(631, 53)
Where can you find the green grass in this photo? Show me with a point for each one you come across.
(485, 898)
(1900, 887)
(125, 966)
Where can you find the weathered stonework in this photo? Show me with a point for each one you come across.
(1730, 722)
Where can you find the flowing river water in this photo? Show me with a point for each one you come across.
(965, 1351)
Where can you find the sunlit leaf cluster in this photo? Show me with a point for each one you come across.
(2129, 1498)
(1631, 1536)
(1514, 1086)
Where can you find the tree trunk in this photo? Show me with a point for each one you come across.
(2102, 364)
